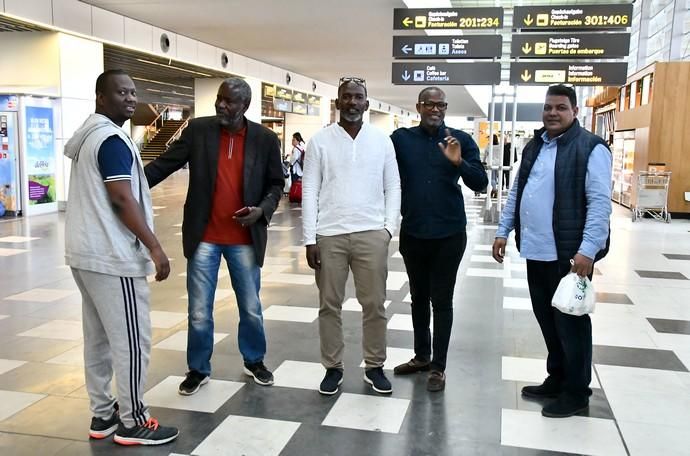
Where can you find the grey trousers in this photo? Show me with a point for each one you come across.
(366, 253)
(117, 338)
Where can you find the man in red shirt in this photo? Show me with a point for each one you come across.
(235, 184)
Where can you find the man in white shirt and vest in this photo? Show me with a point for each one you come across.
(350, 210)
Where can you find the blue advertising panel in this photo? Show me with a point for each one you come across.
(9, 153)
(40, 154)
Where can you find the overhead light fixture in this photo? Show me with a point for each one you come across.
(162, 83)
(170, 93)
(173, 67)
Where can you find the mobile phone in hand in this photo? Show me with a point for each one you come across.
(242, 212)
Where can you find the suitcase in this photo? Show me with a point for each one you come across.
(296, 192)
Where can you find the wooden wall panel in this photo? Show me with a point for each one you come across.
(679, 136)
(631, 119)
(669, 132)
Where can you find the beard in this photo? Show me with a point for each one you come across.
(228, 120)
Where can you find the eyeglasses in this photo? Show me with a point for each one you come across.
(346, 79)
(430, 105)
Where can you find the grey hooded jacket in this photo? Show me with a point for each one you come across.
(95, 238)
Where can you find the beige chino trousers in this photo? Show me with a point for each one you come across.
(366, 254)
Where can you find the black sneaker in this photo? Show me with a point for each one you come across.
(331, 381)
(378, 381)
(261, 375)
(192, 382)
(104, 427)
(150, 433)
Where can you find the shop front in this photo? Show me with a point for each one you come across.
(287, 111)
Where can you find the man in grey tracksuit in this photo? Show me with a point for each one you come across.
(111, 248)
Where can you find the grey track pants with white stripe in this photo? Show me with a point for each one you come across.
(117, 337)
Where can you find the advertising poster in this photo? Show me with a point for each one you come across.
(8, 162)
(40, 154)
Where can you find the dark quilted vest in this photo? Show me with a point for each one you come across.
(570, 202)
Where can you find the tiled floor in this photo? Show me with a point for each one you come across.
(640, 375)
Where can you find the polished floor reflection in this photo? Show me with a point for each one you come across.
(641, 383)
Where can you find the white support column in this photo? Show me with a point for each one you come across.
(81, 62)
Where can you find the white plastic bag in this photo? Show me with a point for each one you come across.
(574, 295)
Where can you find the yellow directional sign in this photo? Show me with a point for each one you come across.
(573, 17)
(570, 45)
(526, 76)
(485, 18)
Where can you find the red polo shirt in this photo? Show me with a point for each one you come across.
(228, 195)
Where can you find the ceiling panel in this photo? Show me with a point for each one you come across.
(321, 39)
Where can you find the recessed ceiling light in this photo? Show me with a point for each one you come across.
(173, 67)
(162, 83)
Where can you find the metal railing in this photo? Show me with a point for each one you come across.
(155, 125)
(177, 134)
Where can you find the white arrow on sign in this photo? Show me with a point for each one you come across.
(406, 76)
(406, 49)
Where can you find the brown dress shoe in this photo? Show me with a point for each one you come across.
(412, 366)
(436, 381)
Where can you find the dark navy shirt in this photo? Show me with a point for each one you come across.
(115, 160)
(432, 202)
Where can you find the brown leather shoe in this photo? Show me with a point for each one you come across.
(412, 366)
(436, 381)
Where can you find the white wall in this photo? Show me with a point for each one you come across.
(382, 121)
(81, 61)
(459, 122)
(56, 65)
(254, 111)
(205, 92)
(30, 63)
(306, 125)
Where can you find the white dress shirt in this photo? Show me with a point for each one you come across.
(349, 185)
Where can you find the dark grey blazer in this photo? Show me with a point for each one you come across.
(198, 146)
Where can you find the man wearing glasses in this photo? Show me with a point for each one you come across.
(432, 158)
(350, 206)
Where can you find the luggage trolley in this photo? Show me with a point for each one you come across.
(652, 196)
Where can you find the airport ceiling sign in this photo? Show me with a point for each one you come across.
(449, 47)
(549, 17)
(570, 45)
(488, 18)
(442, 73)
(577, 73)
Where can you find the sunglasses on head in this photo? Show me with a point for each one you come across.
(356, 80)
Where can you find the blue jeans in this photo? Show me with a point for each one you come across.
(202, 279)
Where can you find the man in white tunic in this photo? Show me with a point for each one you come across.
(351, 205)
